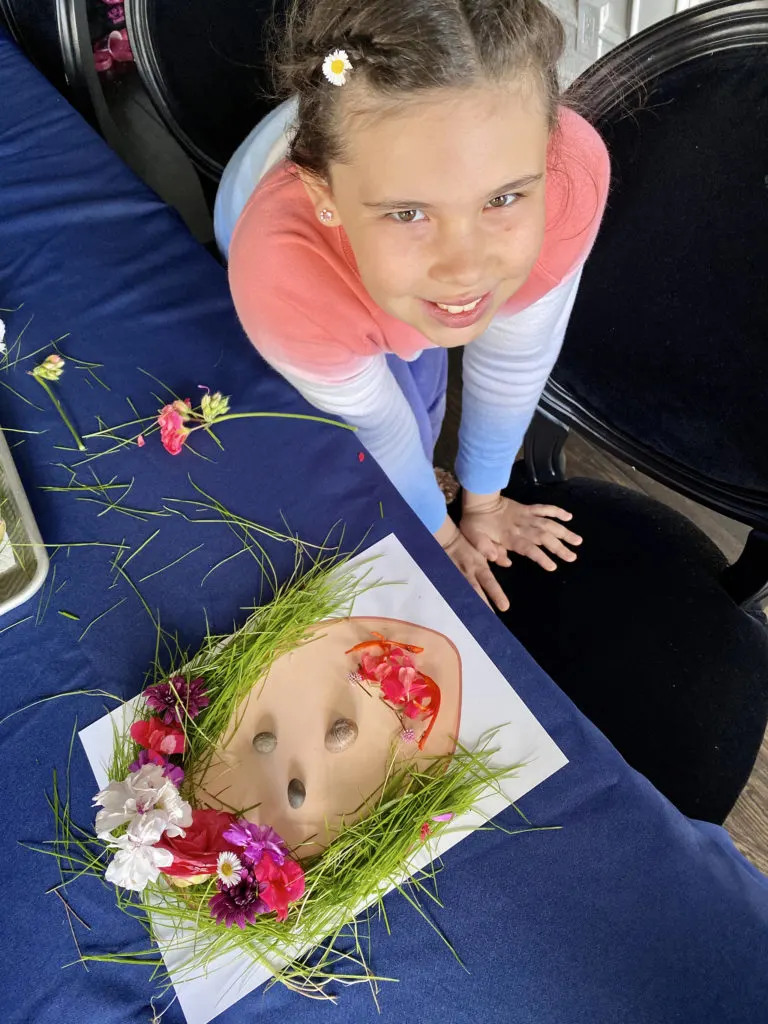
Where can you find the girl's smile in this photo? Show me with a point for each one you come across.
(458, 313)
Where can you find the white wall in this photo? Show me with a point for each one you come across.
(593, 27)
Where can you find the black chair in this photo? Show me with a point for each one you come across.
(205, 68)
(665, 365)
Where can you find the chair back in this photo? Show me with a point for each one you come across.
(665, 362)
(204, 64)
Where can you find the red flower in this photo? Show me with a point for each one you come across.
(154, 734)
(173, 433)
(279, 884)
(197, 852)
(402, 685)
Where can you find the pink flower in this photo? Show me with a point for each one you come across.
(119, 46)
(173, 433)
(177, 699)
(425, 830)
(256, 841)
(140, 441)
(279, 884)
(154, 734)
(171, 771)
(102, 58)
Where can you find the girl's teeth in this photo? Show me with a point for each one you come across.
(458, 309)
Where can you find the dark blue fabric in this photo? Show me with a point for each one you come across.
(631, 914)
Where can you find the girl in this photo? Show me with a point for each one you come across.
(422, 189)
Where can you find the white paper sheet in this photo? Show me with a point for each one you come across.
(488, 701)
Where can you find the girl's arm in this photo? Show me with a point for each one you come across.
(505, 371)
(372, 401)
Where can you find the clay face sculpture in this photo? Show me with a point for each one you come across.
(312, 741)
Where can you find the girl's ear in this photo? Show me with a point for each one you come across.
(320, 194)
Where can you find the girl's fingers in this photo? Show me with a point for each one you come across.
(537, 555)
(493, 552)
(490, 585)
(479, 590)
(551, 512)
(558, 548)
(562, 533)
(543, 528)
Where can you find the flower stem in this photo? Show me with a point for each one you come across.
(60, 409)
(274, 415)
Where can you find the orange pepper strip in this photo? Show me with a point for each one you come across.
(434, 708)
(386, 644)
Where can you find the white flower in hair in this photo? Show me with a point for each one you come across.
(336, 67)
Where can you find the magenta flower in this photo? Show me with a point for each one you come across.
(177, 699)
(239, 904)
(171, 771)
(256, 840)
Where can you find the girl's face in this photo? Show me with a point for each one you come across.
(443, 205)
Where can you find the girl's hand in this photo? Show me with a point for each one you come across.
(495, 525)
(472, 564)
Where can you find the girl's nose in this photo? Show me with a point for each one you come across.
(458, 262)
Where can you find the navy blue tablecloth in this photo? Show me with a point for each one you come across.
(630, 913)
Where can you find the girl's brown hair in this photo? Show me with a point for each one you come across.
(398, 47)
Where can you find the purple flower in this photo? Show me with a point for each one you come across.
(177, 699)
(171, 771)
(239, 904)
(256, 840)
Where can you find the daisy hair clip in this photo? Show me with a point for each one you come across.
(336, 67)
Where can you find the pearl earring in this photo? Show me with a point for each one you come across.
(326, 216)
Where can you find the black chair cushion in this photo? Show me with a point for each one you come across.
(668, 339)
(643, 638)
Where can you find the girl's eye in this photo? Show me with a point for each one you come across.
(500, 202)
(407, 216)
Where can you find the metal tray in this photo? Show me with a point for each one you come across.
(23, 558)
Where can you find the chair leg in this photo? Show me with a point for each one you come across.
(543, 449)
(747, 579)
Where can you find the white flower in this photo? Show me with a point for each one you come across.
(336, 67)
(229, 868)
(145, 790)
(138, 861)
(3, 348)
